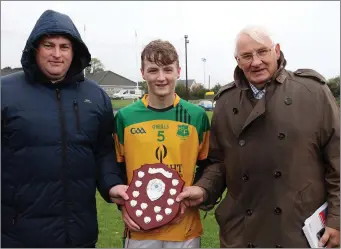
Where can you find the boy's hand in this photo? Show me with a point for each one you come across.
(128, 221)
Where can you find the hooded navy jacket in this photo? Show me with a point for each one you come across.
(56, 147)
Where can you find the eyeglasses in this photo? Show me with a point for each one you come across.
(248, 57)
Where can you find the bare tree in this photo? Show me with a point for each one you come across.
(95, 66)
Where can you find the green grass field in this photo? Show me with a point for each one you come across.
(116, 104)
(111, 224)
(209, 114)
(111, 227)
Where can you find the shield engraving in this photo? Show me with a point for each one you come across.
(155, 189)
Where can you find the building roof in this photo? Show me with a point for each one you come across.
(110, 78)
(96, 76)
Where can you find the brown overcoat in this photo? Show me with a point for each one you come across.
(279, 158)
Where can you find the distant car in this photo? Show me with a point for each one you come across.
(127, 94)
(207, 105)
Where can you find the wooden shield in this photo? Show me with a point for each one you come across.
(152, 193)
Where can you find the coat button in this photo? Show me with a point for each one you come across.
(279, 246)
(278, 174)
(241, 143)
(278, 211)
(249, 212)
(235, 111)
(281, 135)
(250, 245)
(287, 101)
(245, 178)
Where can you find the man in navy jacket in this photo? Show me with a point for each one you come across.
(56, 142)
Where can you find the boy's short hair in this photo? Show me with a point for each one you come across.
(160, 52)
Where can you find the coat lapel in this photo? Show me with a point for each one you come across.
(256, 112)
(241, 111)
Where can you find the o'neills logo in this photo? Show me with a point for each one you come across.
(161, 153)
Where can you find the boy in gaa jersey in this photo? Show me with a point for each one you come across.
(163, 128)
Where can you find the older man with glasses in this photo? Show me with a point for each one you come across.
(275, 146)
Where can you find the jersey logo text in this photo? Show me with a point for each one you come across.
(137, 131)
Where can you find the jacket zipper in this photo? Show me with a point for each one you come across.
(15, 218)
(75, 107)
(4, 116)
(4, 121)
(64, 168)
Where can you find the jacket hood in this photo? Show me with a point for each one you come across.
(240, 79)
(54, 23)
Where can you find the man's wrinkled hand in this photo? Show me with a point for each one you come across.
(330, 238)
(118, 194)
(192, 196)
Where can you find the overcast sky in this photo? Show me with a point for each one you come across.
(308, 32)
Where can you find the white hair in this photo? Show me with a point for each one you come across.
(257, 33)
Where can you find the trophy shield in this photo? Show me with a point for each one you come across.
(152, 193)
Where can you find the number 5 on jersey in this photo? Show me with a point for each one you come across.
(160, 136)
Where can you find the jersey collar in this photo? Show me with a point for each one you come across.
(145, 100)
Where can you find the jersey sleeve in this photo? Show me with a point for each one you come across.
(119, 137)
(204, 134)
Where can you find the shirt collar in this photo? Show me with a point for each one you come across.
(145, 100)
(258, 94)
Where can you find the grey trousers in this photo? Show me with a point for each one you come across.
(192, 243)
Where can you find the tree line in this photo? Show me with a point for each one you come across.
(197, 91)
(334, 86)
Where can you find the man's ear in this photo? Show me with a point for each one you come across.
(179, 72)
(237, 62)
(142, 73)
(278, 50)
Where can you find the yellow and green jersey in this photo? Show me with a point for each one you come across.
(177, 136)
